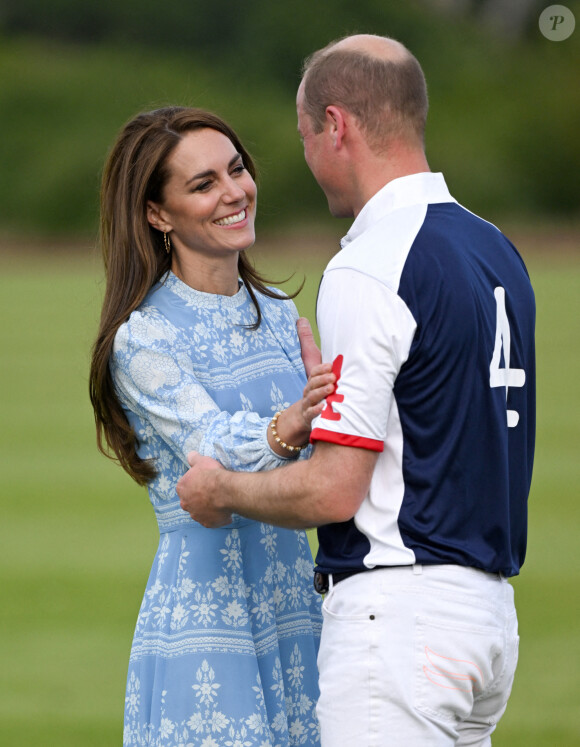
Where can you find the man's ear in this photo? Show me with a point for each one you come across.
(336, 121)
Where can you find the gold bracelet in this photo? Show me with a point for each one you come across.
(292, 449)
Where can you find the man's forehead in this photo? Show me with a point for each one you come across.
(300, 93)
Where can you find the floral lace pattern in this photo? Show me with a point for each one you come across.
(278, 706)
(225, 644)
(209, 726)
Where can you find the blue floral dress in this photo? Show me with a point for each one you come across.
(227, 636)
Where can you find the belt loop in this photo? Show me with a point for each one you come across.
(417, 569)
(330, 583)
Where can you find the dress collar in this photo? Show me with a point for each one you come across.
(201, 299)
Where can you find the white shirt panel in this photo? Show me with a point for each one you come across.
(361, 317)
(378, 514)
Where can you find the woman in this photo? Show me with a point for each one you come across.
(195, 352)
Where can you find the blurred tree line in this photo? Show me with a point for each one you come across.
(504, 100)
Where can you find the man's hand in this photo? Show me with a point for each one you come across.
(195, 491)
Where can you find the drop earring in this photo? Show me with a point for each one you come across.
(167, 243)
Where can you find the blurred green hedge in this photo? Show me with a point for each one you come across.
(502, 126)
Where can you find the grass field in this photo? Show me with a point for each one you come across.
(77, 537)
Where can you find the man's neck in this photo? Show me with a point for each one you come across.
(374, 171)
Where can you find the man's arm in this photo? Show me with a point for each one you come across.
(325, 489)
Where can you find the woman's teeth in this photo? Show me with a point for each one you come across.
(231, 219)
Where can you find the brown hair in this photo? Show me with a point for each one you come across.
(135, 259)
(389, 98)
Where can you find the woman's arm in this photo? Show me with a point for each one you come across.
(154, 378)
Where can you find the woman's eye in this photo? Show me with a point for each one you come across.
(239, 169)
(202, 187)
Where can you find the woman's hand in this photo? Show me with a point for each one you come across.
(320, 384)
(293, 426)
(321, 380)
(308, 347)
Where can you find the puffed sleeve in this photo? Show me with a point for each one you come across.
(154, 378)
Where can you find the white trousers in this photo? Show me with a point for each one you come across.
(413, 656)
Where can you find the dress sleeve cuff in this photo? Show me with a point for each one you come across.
(240, 443)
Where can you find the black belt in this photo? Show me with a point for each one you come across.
(321, 579)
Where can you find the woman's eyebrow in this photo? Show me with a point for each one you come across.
(211, 172)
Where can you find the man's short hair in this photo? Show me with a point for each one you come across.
(389, 98)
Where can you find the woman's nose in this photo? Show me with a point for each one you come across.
(233, 192)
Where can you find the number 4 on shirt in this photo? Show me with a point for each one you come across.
(504, 376)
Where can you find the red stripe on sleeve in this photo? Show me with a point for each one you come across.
(371, 444)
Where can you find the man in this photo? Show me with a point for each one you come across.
(423, 454)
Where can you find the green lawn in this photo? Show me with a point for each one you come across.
(77, 538)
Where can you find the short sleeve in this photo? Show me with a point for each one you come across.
(367, 331)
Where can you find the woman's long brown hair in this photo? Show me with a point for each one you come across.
(135, 258)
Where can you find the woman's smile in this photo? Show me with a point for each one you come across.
(230, 220)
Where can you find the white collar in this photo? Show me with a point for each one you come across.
(405, 191)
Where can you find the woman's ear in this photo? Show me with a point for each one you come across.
(155, 217)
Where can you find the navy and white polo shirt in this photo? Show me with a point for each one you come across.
(428, 314)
